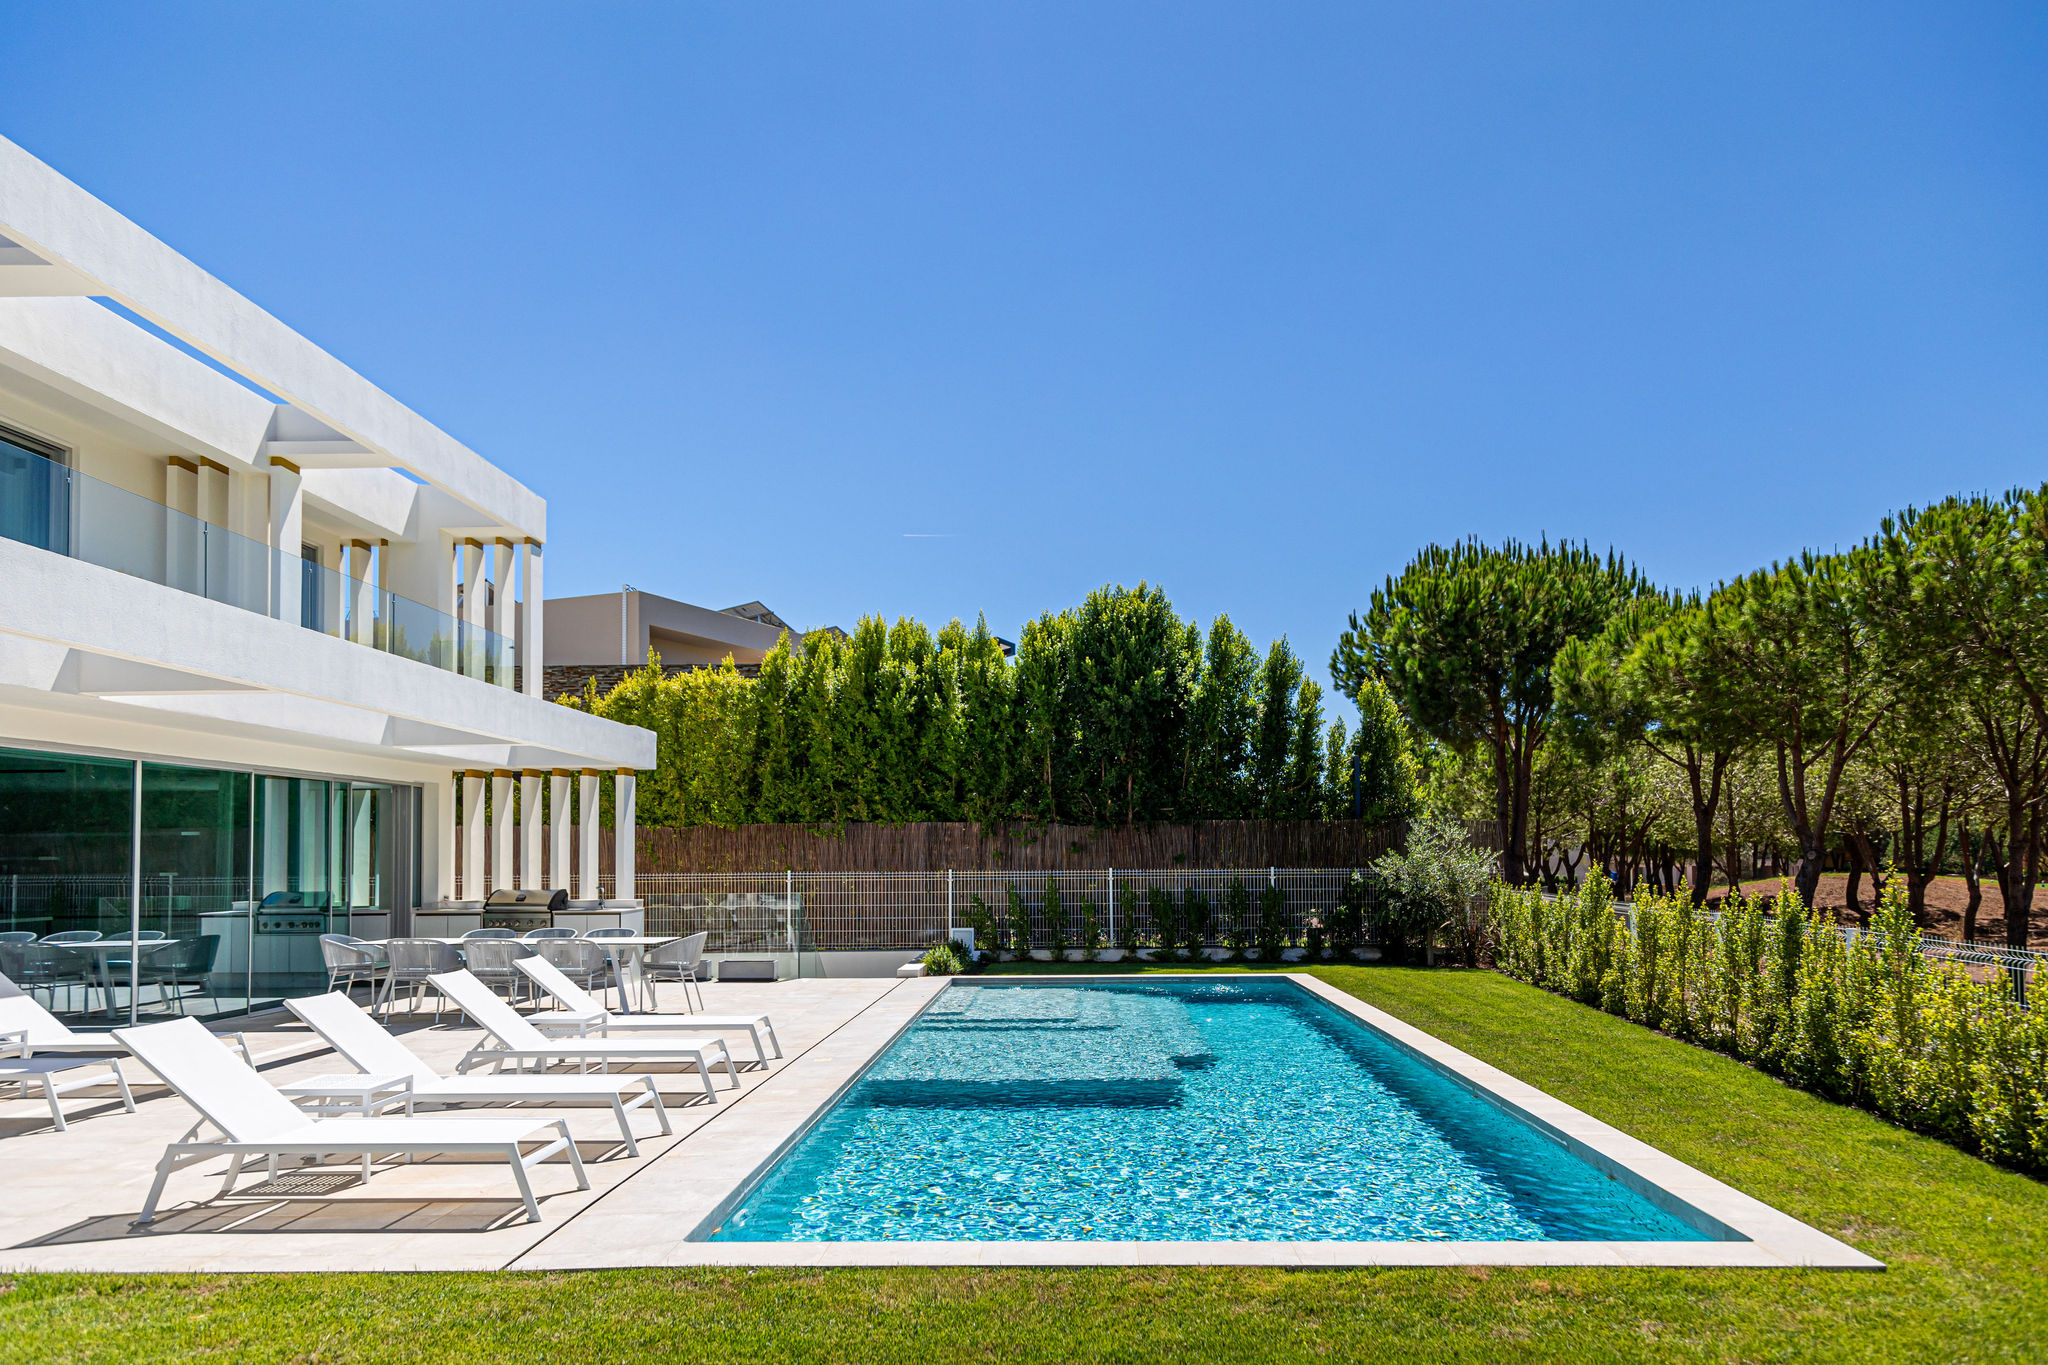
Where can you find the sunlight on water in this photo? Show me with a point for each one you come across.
(1173, 1111)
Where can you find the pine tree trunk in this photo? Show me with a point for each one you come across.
(1973, 882)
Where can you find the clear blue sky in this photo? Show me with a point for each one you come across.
(946, 308)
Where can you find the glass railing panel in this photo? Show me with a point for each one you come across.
(339, 604)
(48, 505)
(53, 507)
(413, 630)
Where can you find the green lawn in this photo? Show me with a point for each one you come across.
(1967, 1245)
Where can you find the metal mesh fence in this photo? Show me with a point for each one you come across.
(1982, 959)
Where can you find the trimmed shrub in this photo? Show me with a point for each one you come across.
(1055, 916)
(1865, 1018)
(1165, 920)
(1127, 920)
(944, 959)
(1237, 917)
(1272, 936)
(1020, 922)
(1194, 920)
(988, 930)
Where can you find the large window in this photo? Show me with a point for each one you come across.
(65, 827)
(196, 874)
(35, 493)
(240, 873)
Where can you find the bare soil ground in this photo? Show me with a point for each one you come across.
(1946, 897)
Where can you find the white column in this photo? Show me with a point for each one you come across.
(586, 835)
(181, 527)
(333, 573)
(214, 481)
(216, 560)
(287, 527)
(502, 553)
(470, 562)
(623, 830)
(380, 588)
(529, 828)
(473, 879)
(532, 651)
(558, 831)
(438, 804)
(504, 835)
(362, 600)
(248, 584)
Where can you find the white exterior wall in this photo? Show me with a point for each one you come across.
(101, 650)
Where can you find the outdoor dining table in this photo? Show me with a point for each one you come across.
(628, 957)
(103, 950)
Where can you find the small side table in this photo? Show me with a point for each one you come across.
(348, 1093)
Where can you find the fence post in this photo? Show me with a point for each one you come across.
(949, 902)
(789, 909)
(1112, 905)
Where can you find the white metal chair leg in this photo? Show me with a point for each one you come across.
(164, 1168)
(525, 1185)
(625, 1126)
(575, 1157)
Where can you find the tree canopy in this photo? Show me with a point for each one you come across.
(1464, 639)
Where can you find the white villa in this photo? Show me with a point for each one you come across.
(260, 628)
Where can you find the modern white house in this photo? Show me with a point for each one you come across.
(259, 625)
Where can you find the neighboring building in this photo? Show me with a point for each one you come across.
(607, 635)
(258, 631)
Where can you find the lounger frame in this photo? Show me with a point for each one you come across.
(585, 1015)
(517, 1040)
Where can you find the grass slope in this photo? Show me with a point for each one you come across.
(1966, 1242)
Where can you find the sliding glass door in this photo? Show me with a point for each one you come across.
(137, 890)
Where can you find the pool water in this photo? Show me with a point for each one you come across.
(1245, 1110)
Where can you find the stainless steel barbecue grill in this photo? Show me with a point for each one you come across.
(523, 911)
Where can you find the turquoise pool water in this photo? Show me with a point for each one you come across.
(1242, 1110)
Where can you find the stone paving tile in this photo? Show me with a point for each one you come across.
(700, 1178)
(73, 1194)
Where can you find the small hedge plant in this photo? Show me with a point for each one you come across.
(1870, 1020)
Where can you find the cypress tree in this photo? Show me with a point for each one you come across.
(1273, 738)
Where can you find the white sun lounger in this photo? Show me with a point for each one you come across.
(584, 1007)
(20, 1012)
(19, 1065)
(255, 1120)
(369, 1048)
(519, 1041)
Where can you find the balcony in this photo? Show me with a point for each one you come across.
(53, 507)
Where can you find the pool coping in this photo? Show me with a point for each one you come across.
(1744, 1231)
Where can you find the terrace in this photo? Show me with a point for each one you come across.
(659, 1208)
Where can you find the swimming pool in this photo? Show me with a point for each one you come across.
(1215, 1109)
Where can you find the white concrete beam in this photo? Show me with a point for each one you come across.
(61, 224)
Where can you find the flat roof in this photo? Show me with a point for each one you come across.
(61, 240)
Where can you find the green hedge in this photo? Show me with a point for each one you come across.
(1873, 1022)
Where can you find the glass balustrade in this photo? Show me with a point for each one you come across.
(46, 504)
(340, 604)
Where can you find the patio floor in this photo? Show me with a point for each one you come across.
(72, 1196)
